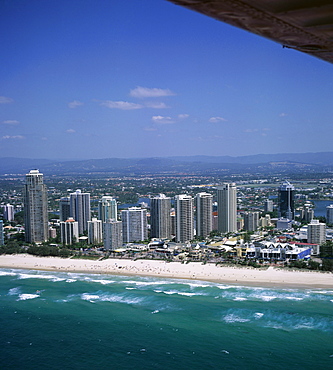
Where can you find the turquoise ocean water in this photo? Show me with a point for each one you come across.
(52, 320)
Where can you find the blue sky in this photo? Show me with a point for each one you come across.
(139, 78)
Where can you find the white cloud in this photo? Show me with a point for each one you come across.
(145, 92)
(156, 105)
(183, 116)
(217, 119)
(5, 100)
(251, 130)
(70, 131)
(10, 122)
(75, 104)
(124, 105)
(162, 120)
(43, 138)
(15, 137)
(283, 114)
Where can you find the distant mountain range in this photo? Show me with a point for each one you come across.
(263, 163)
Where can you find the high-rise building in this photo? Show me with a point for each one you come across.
(251, 221)
(134, 223)
(204, 213)
(268, 205)
(286, 201)
(95, 231)
(316, 232)
(308, 214)
(227, 207)
(184, 218)
(107, 208)
(64, 208)
(69, 231)
(35, 208)
(2, 238)
(80, 209)
(160, 219)
(112, 236)
(329, 214)
(8, 212)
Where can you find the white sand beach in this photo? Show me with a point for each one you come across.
(271, 277)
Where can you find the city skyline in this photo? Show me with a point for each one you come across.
(89, 77)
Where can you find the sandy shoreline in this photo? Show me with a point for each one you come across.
(195, 270)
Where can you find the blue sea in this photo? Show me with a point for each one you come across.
(57, 320)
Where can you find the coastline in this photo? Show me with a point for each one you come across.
(271, 277)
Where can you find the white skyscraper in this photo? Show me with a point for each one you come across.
(35, 208)
(107, 208)
(134, 222)
(316, 232)
(227, 207)
(160, 219)
(80, 209)
(69, 231)
(184, 218)
(112, 236)
(95, 231)
(8, 212)
(204, 208)
(329, 214)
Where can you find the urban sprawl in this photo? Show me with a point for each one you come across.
(252, 223)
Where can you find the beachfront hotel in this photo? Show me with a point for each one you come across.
(227, 207)
(134, 221)
(160, 219)
(184, 218)
(35, 208)
(80, 209)
(204, 208)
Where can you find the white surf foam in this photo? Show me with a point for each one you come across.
(14, 291)
(7, 273)
(231, 318)
(23, 297)
(103, 282)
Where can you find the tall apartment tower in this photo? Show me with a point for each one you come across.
(64, 208)
(80, 209)
(286, 200)
(308, 215)
(35, 208)
(112, 236)
(268, 205)
(329, 214)
(95, 231)
(251, 221)
(184, 218)
(316, 232)
(69, 231)
(160, 218)
(8, 212)
(134, 222)
(204, 208)
(227, 207)
(107, 208)
(2, 238)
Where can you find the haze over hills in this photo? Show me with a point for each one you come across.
(292, 162)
